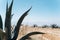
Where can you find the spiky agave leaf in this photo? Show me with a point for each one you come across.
(16, 30)
(8, 20)
(29, 34)
(1, 23)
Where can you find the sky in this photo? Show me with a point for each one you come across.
(43, 11)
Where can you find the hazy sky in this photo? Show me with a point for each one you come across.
(42, 12)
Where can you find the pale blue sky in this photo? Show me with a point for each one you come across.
(42, 12)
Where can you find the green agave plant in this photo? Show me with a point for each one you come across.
(7, 33)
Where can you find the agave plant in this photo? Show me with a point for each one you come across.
(7, 33)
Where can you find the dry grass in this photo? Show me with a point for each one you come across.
(51, 34)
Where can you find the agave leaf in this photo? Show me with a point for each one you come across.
(29, 34)
(1, 23)
(10, 7)
(8, 20)
(16, 30)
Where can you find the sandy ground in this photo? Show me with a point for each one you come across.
(51, 33)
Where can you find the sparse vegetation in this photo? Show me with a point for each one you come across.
(54, 26)
(51, 26)
(45, 26)
(35, 25)
(50, 34)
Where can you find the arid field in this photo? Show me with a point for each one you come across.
(50, 33)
